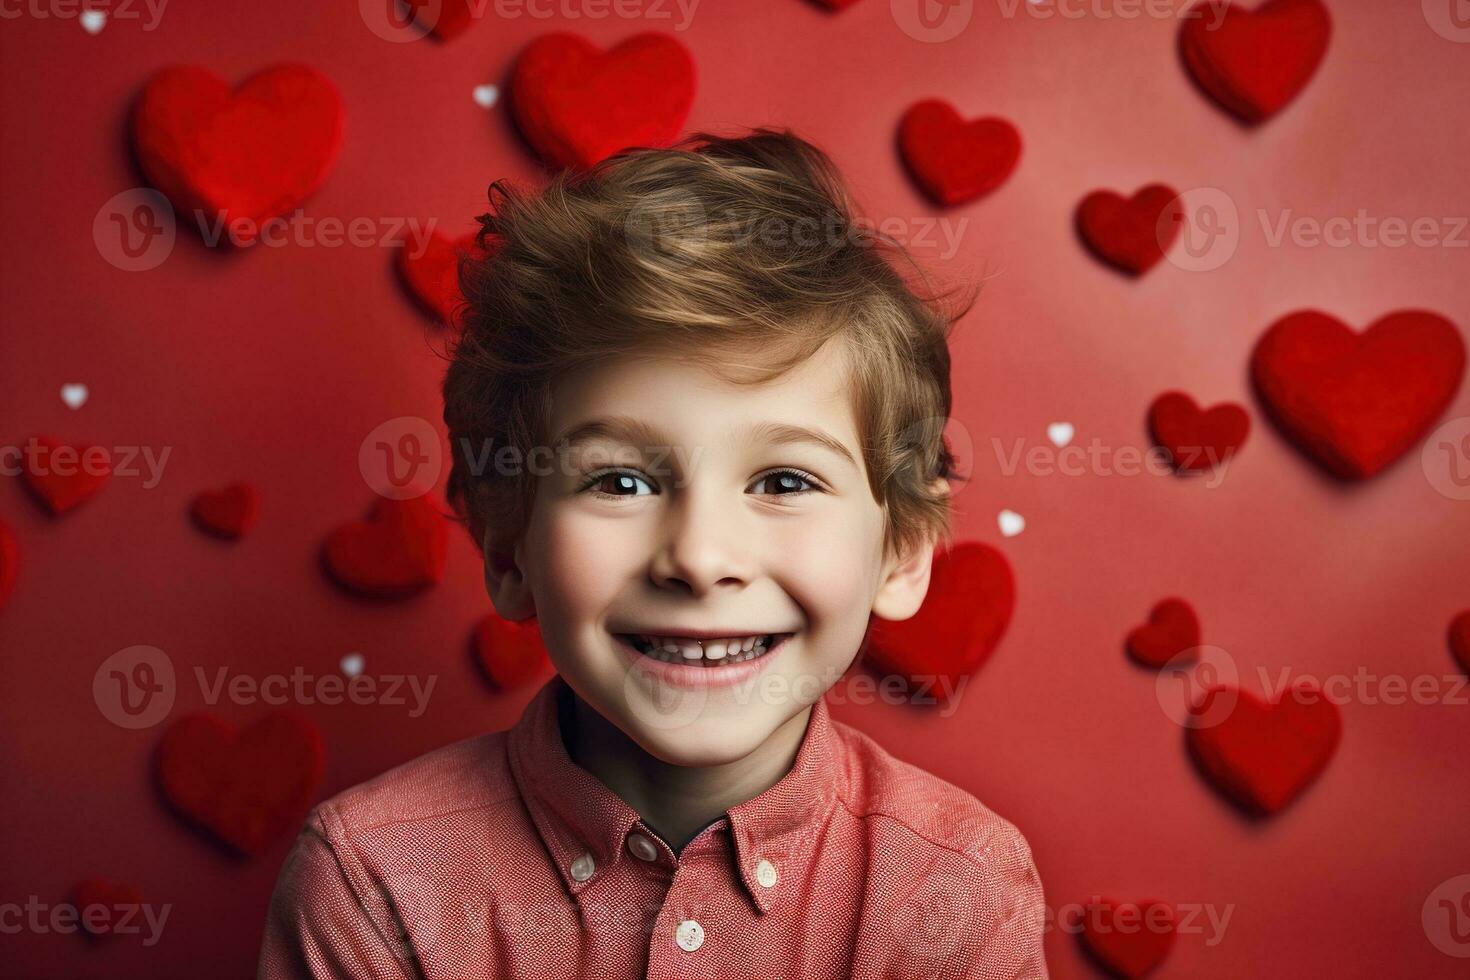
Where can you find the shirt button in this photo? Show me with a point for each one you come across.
(641, 847)
(690, 935)
(583, 867)
(765, 873)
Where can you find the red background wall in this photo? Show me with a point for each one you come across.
(273, 365)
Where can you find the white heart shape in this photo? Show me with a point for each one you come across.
(74, 394)
(485, 95)
(93, 21)
(352, 664)
(1060, 433)
(1011, 523)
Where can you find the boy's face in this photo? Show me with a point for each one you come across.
(700, 524)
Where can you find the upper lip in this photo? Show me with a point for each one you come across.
(694, 634)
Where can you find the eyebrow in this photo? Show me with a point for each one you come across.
(625, 428)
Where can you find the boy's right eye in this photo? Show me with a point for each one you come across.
(616, 484)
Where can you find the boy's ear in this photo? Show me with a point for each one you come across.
(509, 591)
(906, 579)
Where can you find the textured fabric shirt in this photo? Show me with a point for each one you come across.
(498, 856)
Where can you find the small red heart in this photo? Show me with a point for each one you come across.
(227, 512)
(399, 550)
(432, 276)
(511, 653)
(577, 105)
(1172, 629)
(444, 19)
(63, 476)
(1128, 939)
(1131, 234)
(971, 596)
(954, 160)
(1254, 62)
(102, 903)
(9, 562)
(248, 787)
(1261, 755)
(1356, 402)
(239, 157)
(1197, 440)
(1460, 639)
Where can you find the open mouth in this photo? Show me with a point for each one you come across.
(709, 653)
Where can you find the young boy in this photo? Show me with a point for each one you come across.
(725, 409)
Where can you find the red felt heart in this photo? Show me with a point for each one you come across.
(1131, 234)
(1261, 754)
(399, 550)
(577, 105)
(102, 903)
(432, 276)
(444, 19)
(247, 787)
(62, 476)
(9, 562)
(1197, 440)
(1254, 62)
(227, 512)
(971, 596)
(953, 160)
(1129, 939)
(1460, 639)
(1355, 402)
(511, 653)
(1172, 629)
(238, 158)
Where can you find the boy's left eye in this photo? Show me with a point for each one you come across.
(789, 481)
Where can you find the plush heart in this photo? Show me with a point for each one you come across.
(1254, 62)
(444, 19)
(954, 160)
(1261, 755)
(62, 476)
(1355, 402)
(227, 512)
(971, 596)
(577, 105)
(9, 562)
(399, 550)
(102, 903)
(1131, 234)
(239, 158)
(1197, 440)
(1128, 939)
(511, 653)
(1172, 629)
(247, 787)
(1460, 639)
(432, 277)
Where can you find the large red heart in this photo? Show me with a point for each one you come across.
(577, 105)
(247, 787)
(62, 476)
(1254, 62)
(971, 596)
(1131, 234)
(237, 158)
(444, 19)
(954, 160)
(102, 903)
(511, 653)
(399, 550)
(1355, 402)
(1172, 629)
(1129, 939)
(1262, 755)
(227, 512)
(1197, 440)
(9, 562)
(432, 276)
(1460, 639)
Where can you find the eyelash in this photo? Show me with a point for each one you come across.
(598, 477)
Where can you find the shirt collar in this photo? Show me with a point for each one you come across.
(577, 815)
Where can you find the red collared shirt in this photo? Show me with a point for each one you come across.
(498, 856)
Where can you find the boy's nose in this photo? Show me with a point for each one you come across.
(703, 547)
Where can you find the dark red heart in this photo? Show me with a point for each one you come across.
(971, 596)
(1260, 754)
(102, 903)
(9, 562)
(1197, 440)
(1131, 234)
(238, 157)
(1254, 62)
(227, 512)
(577, 105)
(954, 160)
(1129, 939)
(62, 476)
(1460, 639)
(1172, 629)
(444, 19)
(247, 787)
(399, 550)
(511, 653)
(432, 277)
(1355, 402)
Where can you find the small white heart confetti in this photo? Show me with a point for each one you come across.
(93, 21)
(1011, 523)
(74, 394)
(1060, 433)
(485, 95)
(352, 664)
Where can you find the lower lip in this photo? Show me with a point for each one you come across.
(700, 678)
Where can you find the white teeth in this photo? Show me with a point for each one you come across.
(747, 643)
(688, 651)
(715, 650)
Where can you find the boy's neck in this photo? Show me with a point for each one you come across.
(675, 801)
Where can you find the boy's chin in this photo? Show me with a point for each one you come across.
(703, 743)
